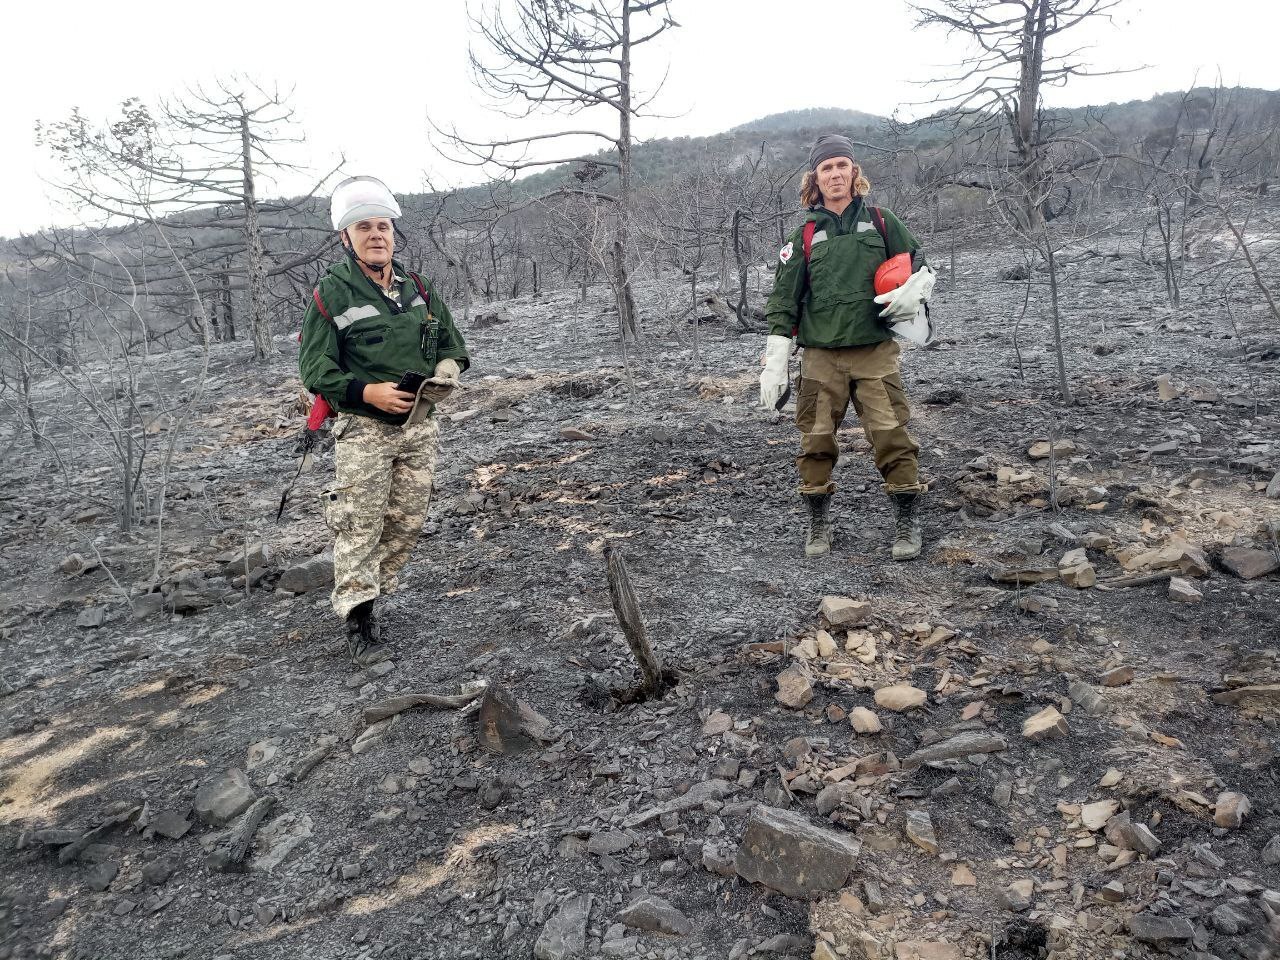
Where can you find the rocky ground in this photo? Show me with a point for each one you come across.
(1054, 735)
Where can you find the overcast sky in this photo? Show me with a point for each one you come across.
(365, 77)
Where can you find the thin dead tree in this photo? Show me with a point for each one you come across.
(997, 93)
(539, 57)
(196, 163)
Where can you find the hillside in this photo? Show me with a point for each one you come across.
(1052, 736)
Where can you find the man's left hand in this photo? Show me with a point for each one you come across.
(901, 305)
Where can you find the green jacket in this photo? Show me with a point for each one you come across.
(829, 302)
(370, 340)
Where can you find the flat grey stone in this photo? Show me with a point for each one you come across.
(787, 853)
(565, 934)
(652, 913)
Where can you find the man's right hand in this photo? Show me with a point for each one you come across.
(387, 398)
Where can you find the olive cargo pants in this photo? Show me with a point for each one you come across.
(871, 378)
(377, 504)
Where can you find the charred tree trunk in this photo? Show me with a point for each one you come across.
(630, 619)
(259, 322)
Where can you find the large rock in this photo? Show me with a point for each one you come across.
(864, 721)
(1162, 931)
(787, 853)
(961, 745)
(220, 801)
(927, 950)
(1248, 563)
(1041, 449)
(565, 934)
(313, 574)
(652, 913)
(1182, 590)
(238, 562)
(844, 611)
(1122, 832)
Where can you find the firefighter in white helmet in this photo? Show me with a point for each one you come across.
(380, 346)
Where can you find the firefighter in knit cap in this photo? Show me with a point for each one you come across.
(825, 298)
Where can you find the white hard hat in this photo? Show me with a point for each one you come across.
(361, 198)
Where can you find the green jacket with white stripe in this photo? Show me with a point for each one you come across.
(830, 300)
(368, 338)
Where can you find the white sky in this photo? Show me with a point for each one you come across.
(363, 88)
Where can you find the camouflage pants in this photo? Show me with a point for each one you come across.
(378, 503)
(871, 378)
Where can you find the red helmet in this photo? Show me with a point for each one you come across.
(893, 273)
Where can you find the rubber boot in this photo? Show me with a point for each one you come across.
(818, 543)
(907, 538)
(364, 634)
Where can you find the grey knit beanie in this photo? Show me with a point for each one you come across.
(828, 146)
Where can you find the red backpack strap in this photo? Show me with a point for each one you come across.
(878, 219)
(423, 290)
(810, 229)
(315, 296)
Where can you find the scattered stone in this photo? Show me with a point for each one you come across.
(652, 913)
(1041, 449)
(91, 618)
(961, 745)
(220, 801)
(919, 830)
(1161, 931)
(238, 562)
(73, 564)
(1122, 832)
(1017, 895)
(1117, 677)
(1271, 852)
(99, 876)
(158, 871)
(610, 842)
(1228, 921)
(708, 791)
(1113, 892)
(717, 723)
(962, 876)
(1263, 693)
(844, 612)
(787, 853)
(795, 689)
(1075, 570)
(281, 837)
(170, 825)
(1045, 724)
(900, 697)
(1182, 590)
(1096, 815)
(232, 848)
(565, 935)
(574, 433)
(1273, 488)
(825, 644)
(864, 721)
(1231, 809)
(1248, 563)
(926, 950)
(313, 574)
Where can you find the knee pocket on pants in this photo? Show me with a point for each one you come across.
(342, 510)
(807, 403)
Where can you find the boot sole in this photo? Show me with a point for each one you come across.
(817, 552)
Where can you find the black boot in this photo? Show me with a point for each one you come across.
(364, 634)
(907, 537)
(818, 543)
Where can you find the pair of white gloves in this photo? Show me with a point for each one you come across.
(901, 305)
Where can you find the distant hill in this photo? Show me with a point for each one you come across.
(814, 118)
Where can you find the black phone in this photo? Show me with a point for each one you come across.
(411, 381)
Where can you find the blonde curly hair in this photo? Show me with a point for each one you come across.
(811, 196)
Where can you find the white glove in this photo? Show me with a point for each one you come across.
(774, 378)
(901, 305)
(448, 370)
